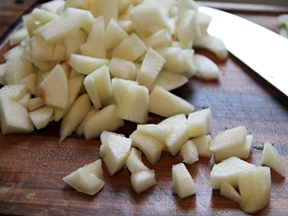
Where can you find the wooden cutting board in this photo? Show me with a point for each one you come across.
(32, 165)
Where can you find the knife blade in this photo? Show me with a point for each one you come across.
(264, 51)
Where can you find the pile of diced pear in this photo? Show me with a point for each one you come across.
(94, 64)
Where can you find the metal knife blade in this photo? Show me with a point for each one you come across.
(262, 50)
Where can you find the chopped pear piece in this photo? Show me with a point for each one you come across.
(114, 150)
(272, 158)
(228, 170)
(95, 43)
(159, 39)
(122, 69)
(18, 36)
(15, 91)
(229, 192)
(255, 188)
(166, 104)
(125, 51)
(13, 116)
(85, 64)
(213, 44)
(54, 88)
(154, 130)
(202, 144)
(41, 117)
(64, 25)
(228, 143)
(3, 74)
(15, 53)
(104, 120)
(183, 184)
(134, 103)
(73, 42)
(87, 179)
(143, 180)
(119, 87)
(151, 66)
(30, 82)
(134, 162)
(43, 16)
(24, 100)
(80, 129)
(177, 138)
(206, 68)
(149, 145)
(35, 103)
(189, 152)
(177, 119)
(16, 70)
(199, 123)
(169, 80)
(114, 34)
(74, 116)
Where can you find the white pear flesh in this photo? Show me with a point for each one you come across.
(183, 184)
(64, 25)
(16, 70)
(87, 179)
(206, 68)
(41, 117)
(54, 88)
(80, 129)
(169, 80)
(143, 180)
(104, 120)
(178, 136)
(272, 158)
(228, 170)
(229, 192)
(114, 150)
(121, 68)
(199, 123)
(149, 145)
(74, 116)
(166, 104)
(134, 162)
(255, 188)
(202, 144)
(189, 152)
(114, 34)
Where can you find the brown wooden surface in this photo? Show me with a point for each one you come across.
(32, 166)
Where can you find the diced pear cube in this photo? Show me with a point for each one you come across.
(213, 44)
(148, 18)
(73, 42)
(64, 25)
(59, 52)
(14, 117)
(149, 145)
(183, 7)
(87, 179)
(166, 104)
(202, 144)
(204, 21)
(80, 129)
(134, 162)
(85, 64)
(82, 4)
(107, 8)
(24, 100)
(199, 123)
(189, 152)
(174, 59)
(122, 69)
(154, 130)
(41, 117)
(228, 142)
(134, 103)
(114, 34)
(18, 36)
(54, 88)
(178, 119)
(126, 25)
(15, 92)
(30, 82)
(16, 70)
(43, 16)
(74, 116)
(255, 188)
(177, 138)
(35, 103)
(15, 53)
(159, 39)
(206, 68)
(52, 6)
(95, 43)
(169, 80)
(104, 120)
(125, 51)
(229, 192)
(272, 158)
(122, 6)
(114, 150)
(119, 87)
(183, 184)
(228, 170)
(143, 180)
(91, 89)
(151, 66)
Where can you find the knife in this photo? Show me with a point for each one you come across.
(264, 51)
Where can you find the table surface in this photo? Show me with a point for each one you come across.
(32, 165)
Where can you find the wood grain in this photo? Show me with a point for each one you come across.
(32, 165)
